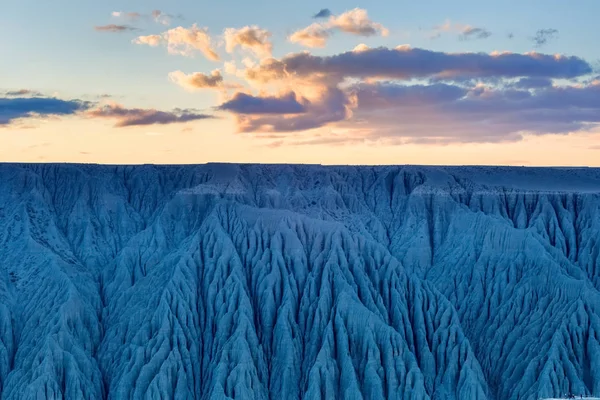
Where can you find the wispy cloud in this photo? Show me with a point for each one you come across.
(132, 15)
(161, 17)
(543, 36)
(164, 18)
(465, 32)
(183, 41)
(355, 22)
(23, 92)
(157, 16)
(138, 117)
(447, 26)
(470, 32)
(253, 38)
(14, 108)
(114, 28)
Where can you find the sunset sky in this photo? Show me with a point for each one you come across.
(386, 82)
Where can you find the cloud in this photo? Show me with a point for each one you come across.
(114, 28)
(465, 32)
(386, 95)
(437, 30)
(23, 92)
(30, 107)
(314, 35)
(474, 33)
(331, 105)
(355, 22)
(533, 83)
(141, 117)
(360, 47)
(252, 38)
(543, 36)
(444, 113)
(243, 103)
(157, 16)
(323, 13)
(183, 41)
(199, 80)
(370, 90)
(150, 40)
(133, 16)
(163, 18)
(406, 63)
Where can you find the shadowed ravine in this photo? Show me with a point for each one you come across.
(285, 282)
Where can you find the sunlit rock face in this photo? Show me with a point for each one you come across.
(227, 281)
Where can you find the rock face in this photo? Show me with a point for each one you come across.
(227, 281)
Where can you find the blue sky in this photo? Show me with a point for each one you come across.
(53, 48)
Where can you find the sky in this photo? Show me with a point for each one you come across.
(389, 82)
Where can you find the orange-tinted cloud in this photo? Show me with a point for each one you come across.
(355, 22)
(150, 40)
(183, 41)
(459, 110)
(199, 80)
(253, 38)
(314, 35)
